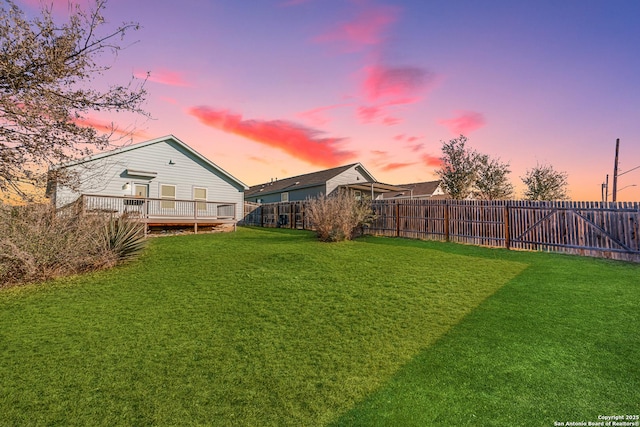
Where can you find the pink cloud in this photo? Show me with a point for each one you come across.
(391, 121)
(464, 122)
(316, 116)
(165, 77)
(397, 85)
(59, 5)
(169, 100)
(368, 114)
(109, 127)
(384, 88)
(415, 147)
(394, 166)
(367, 28)
(298, 141)
(379, 153)
(430, 160)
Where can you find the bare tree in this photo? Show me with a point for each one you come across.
(545, 183)
(459, 168)
(47, 86)
(492, 181)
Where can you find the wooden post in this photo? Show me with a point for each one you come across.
(614, 195)
(261, 207)
(507, 236)
(292, 215)
(397, 220)
(446, 220)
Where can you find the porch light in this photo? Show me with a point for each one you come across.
(126, 186)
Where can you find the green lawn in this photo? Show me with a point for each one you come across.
(270, 327)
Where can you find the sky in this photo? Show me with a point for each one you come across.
(276, 88)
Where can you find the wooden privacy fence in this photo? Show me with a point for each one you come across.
(609, 230)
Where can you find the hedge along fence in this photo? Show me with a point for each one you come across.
(608, 230)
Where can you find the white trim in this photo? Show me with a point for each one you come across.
(200, 206)
(284, 196)
(151, 142)
(168, 204)
(142, 174)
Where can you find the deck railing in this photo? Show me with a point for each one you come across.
(159, 209)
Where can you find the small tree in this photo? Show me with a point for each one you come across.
(338, 217)
(459, 168)
(47, 87)
(492, 181)
(545, 183)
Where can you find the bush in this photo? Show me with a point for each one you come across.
(339, 217)
(123, 238)
(38, 243)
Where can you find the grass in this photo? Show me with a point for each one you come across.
(270, 327)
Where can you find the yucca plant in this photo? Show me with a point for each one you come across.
(124, 238)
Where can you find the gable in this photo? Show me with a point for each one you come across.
(152, 165)
(321, 179)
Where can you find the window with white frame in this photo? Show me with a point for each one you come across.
(200, 194)
(284, 197)
(167, 191)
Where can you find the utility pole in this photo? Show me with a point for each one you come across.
(615, 172)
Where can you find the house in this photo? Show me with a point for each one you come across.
(418, 190)
(163, 180)
(301, 187)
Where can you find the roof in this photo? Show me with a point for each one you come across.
(378, 187)
(302, 181)
(152, 142)
(415, 189)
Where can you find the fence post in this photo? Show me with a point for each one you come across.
(292, 215)
(261, 207)
(397, 219)
(507, 236)
(446, 220)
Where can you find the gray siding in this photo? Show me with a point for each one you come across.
(107, 175)
(294, 195)
(350, 176)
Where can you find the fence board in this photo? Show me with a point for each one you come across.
(610, 230)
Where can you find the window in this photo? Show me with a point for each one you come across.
(167, 192)
(200, 194)
(284, 197)
(357, 194)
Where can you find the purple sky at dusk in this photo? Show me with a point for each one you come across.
(276, 88)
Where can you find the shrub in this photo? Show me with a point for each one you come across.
(339, 217)
(38, 243)
(123, 238)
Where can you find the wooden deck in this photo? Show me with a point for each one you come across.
(163, 212)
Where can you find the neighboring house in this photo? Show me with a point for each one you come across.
(165, 169)
(302, 187)
(418, 190)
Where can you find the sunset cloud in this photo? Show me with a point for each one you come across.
(394, 166)
(377, 113)
(298, 141)
(430, 160)
(317, 117)
(384, 88)
(165, 77)
(110, 128)
(400, 85)
(367, 28)
(464, 122)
